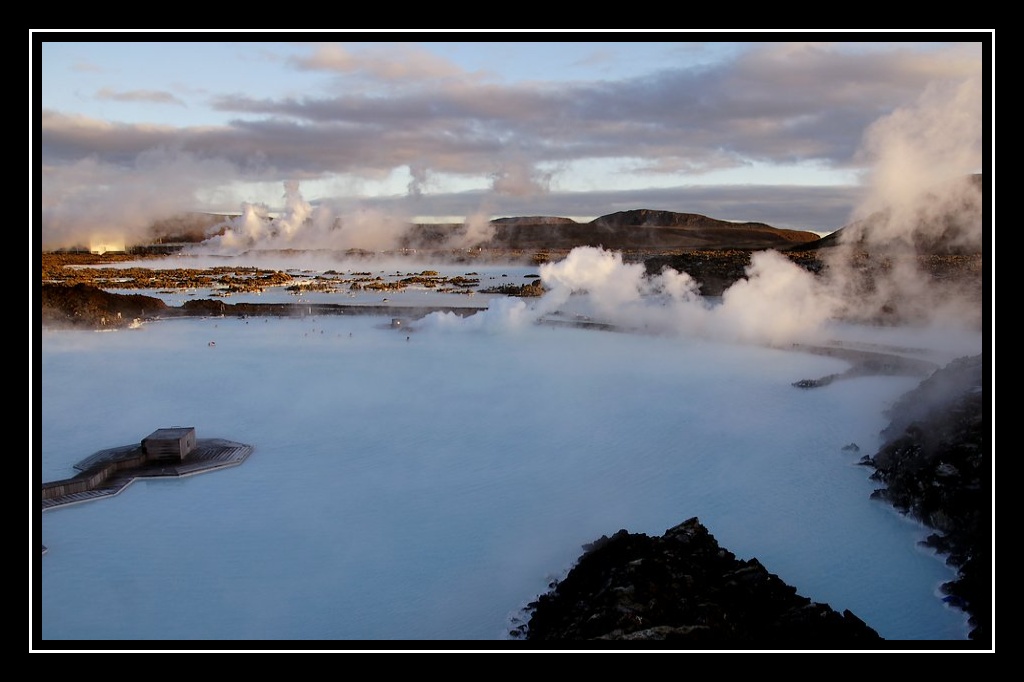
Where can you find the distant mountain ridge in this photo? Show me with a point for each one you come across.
(645, 217)
(634, 229)
(643, 229)
(939, 229)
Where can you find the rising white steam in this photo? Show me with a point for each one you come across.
(918, 157)
(300, 226)
(520, 178)
(778, 302)
(303, 226)
(924, 195)
(516, 178)
(90, 202)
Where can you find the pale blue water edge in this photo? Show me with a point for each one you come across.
(426, 484)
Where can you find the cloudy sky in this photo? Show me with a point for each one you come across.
(788, 133)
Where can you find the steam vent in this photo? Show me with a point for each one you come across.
(167, 452)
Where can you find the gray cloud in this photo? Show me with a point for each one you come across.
(706, 116)
(151, 96)
(395, 62)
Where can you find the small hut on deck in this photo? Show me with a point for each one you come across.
(171, 443)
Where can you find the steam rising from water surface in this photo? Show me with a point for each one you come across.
(778, 302)
(915, 196)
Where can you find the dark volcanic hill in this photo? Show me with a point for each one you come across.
(642, 229)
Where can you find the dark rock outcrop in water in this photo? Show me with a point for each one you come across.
(686, 592)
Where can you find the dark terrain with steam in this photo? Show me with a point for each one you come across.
(639, 229)
(681, 588)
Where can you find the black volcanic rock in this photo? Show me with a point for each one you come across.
(684, 590)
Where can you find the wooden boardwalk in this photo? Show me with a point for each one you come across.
(209, 454)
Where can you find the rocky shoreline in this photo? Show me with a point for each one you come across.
(937, 467)
(684, 591)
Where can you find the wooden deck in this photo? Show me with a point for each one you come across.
(209, 454)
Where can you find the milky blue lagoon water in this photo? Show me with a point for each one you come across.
(426, 484)
(425, 481)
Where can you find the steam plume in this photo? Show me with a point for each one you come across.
(922, 198)
(89, 202)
